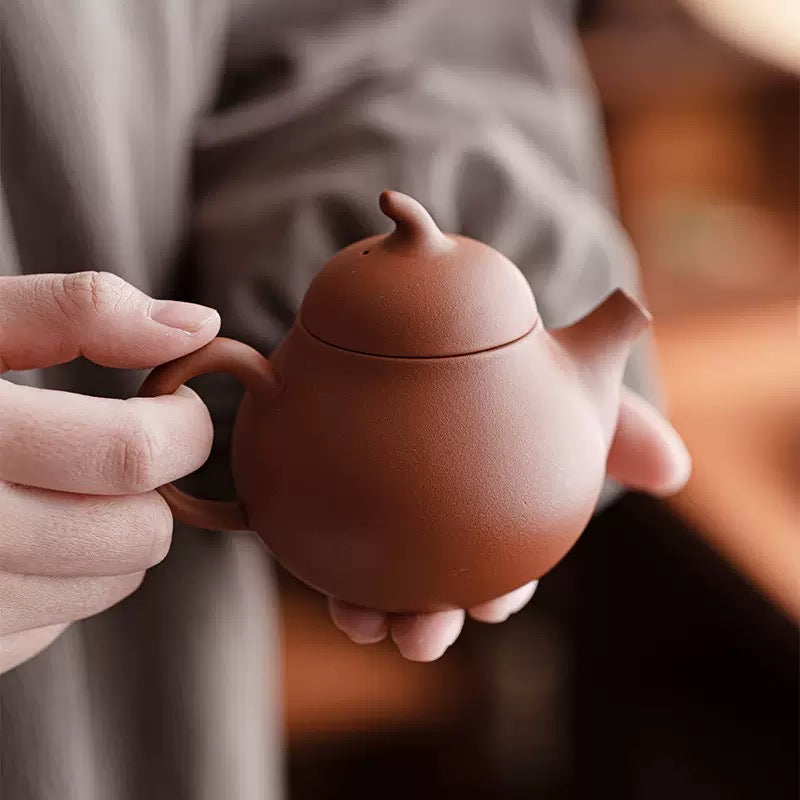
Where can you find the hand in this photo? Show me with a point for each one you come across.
(646, 454)
(422, 637)
(80, 521)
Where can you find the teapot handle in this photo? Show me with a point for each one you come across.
(256, 375)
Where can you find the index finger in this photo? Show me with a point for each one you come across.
(51, 319)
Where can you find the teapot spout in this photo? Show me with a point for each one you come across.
(599, 345)
(610, 329)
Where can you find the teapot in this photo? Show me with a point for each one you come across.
(418, 441)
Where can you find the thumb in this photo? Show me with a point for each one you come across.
(647, 454)
(51, 319)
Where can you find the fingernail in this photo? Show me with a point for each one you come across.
(188, 317)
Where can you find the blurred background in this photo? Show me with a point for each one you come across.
(660, 659)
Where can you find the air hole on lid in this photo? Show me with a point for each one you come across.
(365, 252)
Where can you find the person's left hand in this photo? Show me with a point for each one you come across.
(646, 455)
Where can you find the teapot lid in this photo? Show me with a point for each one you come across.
(417, 292)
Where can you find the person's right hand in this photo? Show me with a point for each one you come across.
(80, 521)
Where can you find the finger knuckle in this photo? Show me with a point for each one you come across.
(91, 293)
(133, 457)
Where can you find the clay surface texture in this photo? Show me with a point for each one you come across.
(418, 441)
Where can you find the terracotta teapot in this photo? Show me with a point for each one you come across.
(418, 441)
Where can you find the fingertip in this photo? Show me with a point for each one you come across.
(670, 466)
(159, 343)
(360, 625)
(426, 637)
(190, 394)
(16, 648)
(421, 654)
(647, 453)
(209, 329)
(677, 473)
(118, 588)
(190, 318)
(501, 608)
(161, 529)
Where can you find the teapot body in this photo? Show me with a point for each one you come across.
(419, 441)
(419, 484)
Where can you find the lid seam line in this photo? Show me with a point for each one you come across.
(313, 335)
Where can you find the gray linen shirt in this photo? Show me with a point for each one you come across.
(221, 151)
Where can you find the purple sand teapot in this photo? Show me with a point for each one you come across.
(419, 441)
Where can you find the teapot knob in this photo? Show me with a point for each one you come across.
(414, 226)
